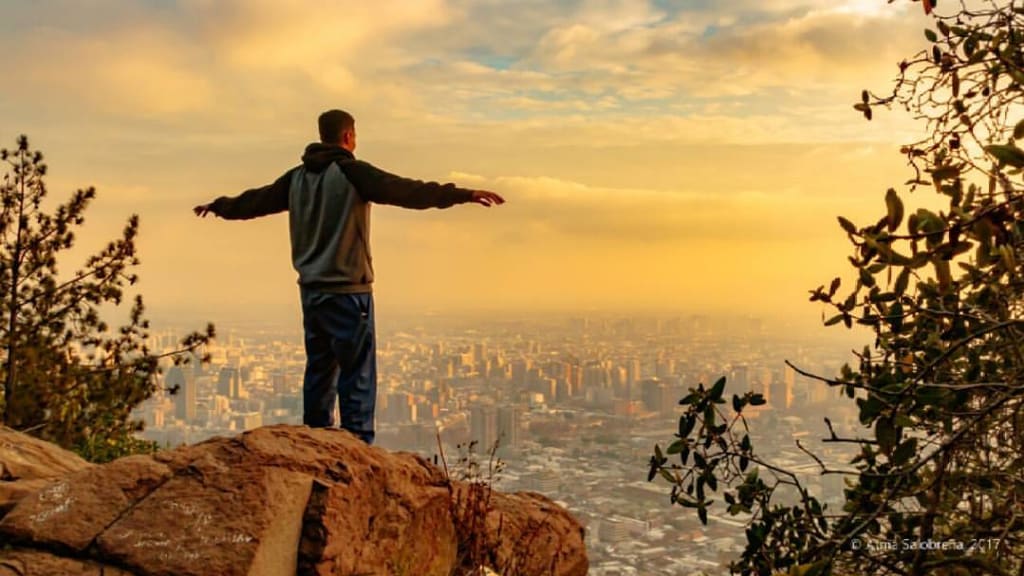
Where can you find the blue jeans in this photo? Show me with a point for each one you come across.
(341, 361)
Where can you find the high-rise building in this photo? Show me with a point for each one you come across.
(740, 377)
(633, 371)
(665, 366)
(399, 408)
(479, 353)
(658, 396)
(483, 427)
(546, 386)
(620, 382)
(508, 427)
(229, 382)
(780, 392)
(594, 375)
(185, 397)
(279, 382)
(517, 371)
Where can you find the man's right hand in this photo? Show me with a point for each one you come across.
(486, 198)
(203, 210)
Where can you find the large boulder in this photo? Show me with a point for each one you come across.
(23, 457)
(533, 535)
(28, 464)
(281, 500)
(71, 512)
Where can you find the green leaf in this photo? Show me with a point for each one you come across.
(699, 460)
(902, 281)
(702, 513)
(905, 452)
(847, 225)
(686, 424)
(885, 433)
(894, 210)
(718, 389)
(675, 447)
(945, 173)
(931, 35)
(870, 407)
(1007, 154)
(1018, 130)
(757, 400)
(866, 278)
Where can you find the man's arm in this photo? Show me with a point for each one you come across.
(376, 185)
(251, 203)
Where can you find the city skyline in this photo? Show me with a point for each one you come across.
(576, 404)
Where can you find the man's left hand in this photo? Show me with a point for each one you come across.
(203, 209)
(486, 198)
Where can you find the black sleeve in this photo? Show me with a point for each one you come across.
(376, 185)
(256, 202)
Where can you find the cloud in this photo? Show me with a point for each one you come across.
(144, 71)
(446, 69)
(643, 146)
(276, 34)
(573, 213)
(815, 50)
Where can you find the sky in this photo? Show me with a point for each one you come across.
(656, 156)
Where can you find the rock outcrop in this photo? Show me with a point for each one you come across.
(279, 500)
(27, 464)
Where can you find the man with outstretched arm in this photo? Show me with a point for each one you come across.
(328, 201)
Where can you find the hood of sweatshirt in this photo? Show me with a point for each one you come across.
(319, 156)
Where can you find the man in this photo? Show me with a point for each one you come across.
(328, 203)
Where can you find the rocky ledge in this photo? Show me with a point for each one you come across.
(279, 500)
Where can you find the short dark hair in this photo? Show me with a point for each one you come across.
(333, 123)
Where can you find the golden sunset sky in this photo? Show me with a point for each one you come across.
(684, 156)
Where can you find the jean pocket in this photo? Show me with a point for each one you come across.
(348, 350)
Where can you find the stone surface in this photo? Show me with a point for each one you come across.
(372, 512)
(69, 513)
(226, 521)
(279, 500)
(23, 457)
(27, 464)
(12, 492)
(535, 536)
(39, 563)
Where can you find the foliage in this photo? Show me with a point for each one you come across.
(938, 484)
(470, 483)
(66, 377)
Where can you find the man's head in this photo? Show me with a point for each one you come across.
(339, 128)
